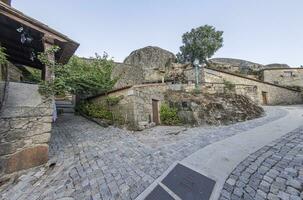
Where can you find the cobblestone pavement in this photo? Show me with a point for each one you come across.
(273, 172)
(110, 163)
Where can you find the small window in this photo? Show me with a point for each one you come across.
(171, 104)
(184, 104)
(288, 73)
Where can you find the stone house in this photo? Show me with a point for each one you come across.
(284, 76)
(142, 96)
(25, 115)
(268, 93)
(140, 103)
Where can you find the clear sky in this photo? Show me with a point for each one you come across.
(263, 31)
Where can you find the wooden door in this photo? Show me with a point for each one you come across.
(264, 96)
(155, 106)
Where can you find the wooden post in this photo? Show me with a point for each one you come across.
(47, 71)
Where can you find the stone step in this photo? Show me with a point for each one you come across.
(64, 103)
(65, 107)
(65, 110)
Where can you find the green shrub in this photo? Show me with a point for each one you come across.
(111, 101)
(168, 115)
(229, 85)
(95, 110)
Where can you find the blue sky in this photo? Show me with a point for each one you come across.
(263, 31)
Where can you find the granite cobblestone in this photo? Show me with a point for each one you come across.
(92, 162)
(276, 171)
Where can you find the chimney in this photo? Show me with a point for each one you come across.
(8, 2)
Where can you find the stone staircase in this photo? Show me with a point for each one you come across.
(65, 107)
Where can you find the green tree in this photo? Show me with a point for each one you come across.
(79, 76)
(200, 43)
(3, 59)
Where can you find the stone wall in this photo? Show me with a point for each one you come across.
(249, 91)
(286, 77)
(125, 107)
(25, 128)
(275, 94)
(136, 104)
(15, 74)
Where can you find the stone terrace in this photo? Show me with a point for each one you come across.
(110, 163)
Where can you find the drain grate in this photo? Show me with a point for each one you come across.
(159, 194)
(189, 184)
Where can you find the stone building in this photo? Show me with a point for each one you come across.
(267, 93)
(26, 116)
(284, 76)
(142, 95)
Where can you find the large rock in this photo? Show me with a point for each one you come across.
(242, 66)
(128, 75)
(150, 57)
(236, 65)
(277, 65)
(153, 61)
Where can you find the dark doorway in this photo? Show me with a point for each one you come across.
(264, 97)
(155, 105)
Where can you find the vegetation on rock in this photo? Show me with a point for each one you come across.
(169, 115)
(229, 86)
(213, 109)
(200, 43)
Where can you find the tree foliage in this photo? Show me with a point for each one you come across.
(200, 43)
(79, 76)
(3, 59)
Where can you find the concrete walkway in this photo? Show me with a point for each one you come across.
(218, 160)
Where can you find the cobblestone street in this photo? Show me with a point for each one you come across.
(273, 172)
(110, 163)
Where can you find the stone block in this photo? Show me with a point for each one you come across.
(38, 128)
(9, 148)
(46, 119)
(4, 126)
(41, 139)
(27, 158)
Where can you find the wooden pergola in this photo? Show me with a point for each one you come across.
(24, 38)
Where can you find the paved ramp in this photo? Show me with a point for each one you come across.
(216, 161)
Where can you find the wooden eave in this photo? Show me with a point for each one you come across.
(67, 45)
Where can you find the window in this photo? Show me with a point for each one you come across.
(184, 104)
(288, 73)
